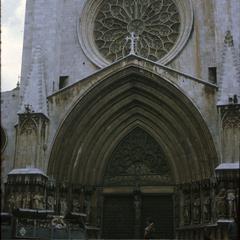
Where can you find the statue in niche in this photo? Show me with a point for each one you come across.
(63, 206)
(27, 179)
(186, 210)
(38, 201)
(231, 201)
(206, 208)
(196, 209)
(11, 202)
(50, 202)
(18, 200)
(26, 200)
(221, 203)
(76, 205)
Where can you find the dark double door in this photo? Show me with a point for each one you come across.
(121, 221)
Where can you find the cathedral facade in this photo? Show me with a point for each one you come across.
(127, 110)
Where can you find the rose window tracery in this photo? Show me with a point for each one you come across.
(155, 22)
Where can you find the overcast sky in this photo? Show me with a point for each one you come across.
(13, 12)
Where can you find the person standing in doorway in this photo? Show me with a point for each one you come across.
(149, 230)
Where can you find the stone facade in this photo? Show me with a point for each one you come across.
(99, 117)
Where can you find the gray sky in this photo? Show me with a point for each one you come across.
(13, 12)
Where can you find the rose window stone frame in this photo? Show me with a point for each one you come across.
(86, 35)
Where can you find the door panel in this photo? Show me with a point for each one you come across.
(118, 217)
(160, 210)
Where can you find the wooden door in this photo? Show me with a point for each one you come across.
(118, 217)
(160, 210)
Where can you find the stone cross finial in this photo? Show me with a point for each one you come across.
(133, 40)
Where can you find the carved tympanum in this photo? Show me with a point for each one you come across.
(155, 22)
(138, 159)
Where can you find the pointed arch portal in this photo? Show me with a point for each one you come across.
(115, 106)
(133, 129)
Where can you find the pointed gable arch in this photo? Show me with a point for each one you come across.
(130, 96)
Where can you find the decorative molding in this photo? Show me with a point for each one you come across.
(230, 116)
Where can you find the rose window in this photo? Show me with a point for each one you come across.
(156, 23)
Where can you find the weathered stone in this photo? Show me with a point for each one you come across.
(179, 87)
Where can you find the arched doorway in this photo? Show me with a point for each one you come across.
(138, 162)
(115, 110)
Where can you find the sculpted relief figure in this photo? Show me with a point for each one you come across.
(50, 202)
(18, 200)
(38, 202)
(206, 208)
(186, 211)
(26, 200)
(63, 206)
(196, 209)
(231, 198)
(11, 202)
(76, 205)
(221, 203)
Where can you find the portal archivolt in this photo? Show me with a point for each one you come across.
(116, 106)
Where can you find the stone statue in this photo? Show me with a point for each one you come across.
(26, 200)
(38, 201)
(186, 211)
(63, 206)
(50, 202)
(11, 202)
(221, 203)
(18, 199)
(196, 209)
(206, 208)
(76, 205)
(231, 202)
